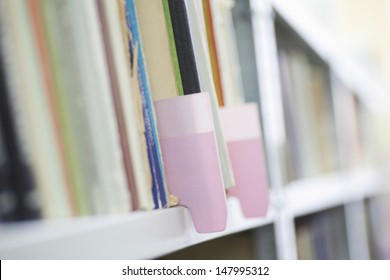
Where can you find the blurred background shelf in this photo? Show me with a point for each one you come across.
(319, 193)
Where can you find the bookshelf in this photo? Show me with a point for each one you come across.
(172, 229)
(154, 234)
(110, 237)
(141, 235)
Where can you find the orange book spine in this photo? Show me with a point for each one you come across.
(37, 26)
(213, 51)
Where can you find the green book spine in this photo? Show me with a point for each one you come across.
(172, 46)
(54, 54)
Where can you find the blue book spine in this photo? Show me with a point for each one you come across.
(154, 154)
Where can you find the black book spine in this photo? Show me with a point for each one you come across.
(18, 198)
(184, 47)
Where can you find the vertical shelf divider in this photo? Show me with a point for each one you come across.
(272, 120)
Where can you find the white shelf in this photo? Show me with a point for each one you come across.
(146, 235)
(322, 192)
(140, 235)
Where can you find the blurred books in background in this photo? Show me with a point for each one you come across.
(322, 236)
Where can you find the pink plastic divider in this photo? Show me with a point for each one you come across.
(242, 131)
(191, 163)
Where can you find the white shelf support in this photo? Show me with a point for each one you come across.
(357, 236)
(284, 227)
(272, 115)
(270, 89)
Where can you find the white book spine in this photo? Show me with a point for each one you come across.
(100, 109)
(199, 39)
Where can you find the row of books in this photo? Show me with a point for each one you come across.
(351, 112)
(308, 115)
(79, 80)
(327, 126)
(377, 213)
(308, 109)
(322, 236)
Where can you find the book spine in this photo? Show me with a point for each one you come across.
(246, 50)
(199, 39)
(154, 153)
(57, 16)
(27, 91)
(4, 180)
(184, 47)
(172, 46)
(54, 110)
(117, 106)
(131, 103)
(101, 108)
(208, 19)
(51, 62)
(18, 197)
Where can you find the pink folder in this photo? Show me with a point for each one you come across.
(242, 131)
(191, 163)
